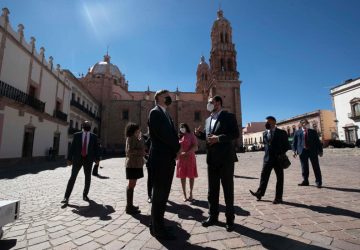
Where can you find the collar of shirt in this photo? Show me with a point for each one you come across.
(215, 116)
(162, 108)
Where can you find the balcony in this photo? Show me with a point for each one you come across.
(354, 116)
(21, 97)
(73, 130)
(60, 115)
(83, 109)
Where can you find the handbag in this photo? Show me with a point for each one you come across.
(284, 161)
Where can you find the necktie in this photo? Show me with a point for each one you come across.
(83, 149)
(305, 138)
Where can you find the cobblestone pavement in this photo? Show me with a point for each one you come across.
(310, 218)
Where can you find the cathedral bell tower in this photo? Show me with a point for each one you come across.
(202, 76)
(224, 80)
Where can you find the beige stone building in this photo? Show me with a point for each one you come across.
(253, 135)
(323, 121)
(119, 105)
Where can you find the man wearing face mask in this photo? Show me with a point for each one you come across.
(307, 145)
(275, 143)
(83, 152)
(163, 152)
(221, 130)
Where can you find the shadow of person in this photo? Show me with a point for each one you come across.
(245, 177)
(93, 210)
(353, 190)
(273, 241)
(326, 210)
(101, 176)
(238, 210)
(7, 244)
(185, 211)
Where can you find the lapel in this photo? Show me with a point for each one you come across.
(168, 119)
(216, 125)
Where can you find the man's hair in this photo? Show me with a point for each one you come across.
(160, 92)
(270, 117)
(85, 123)
(131, 128)
(218, 98)
(304, 121)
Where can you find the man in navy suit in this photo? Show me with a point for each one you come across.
(275, 144)
(221, 131)
(163, 152)
(307, 145)
(83, 152)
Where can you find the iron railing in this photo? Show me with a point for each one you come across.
(84, 109)
(20, 96)
(60, 115)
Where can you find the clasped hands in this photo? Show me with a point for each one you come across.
(210, 139)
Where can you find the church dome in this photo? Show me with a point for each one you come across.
(103, 67)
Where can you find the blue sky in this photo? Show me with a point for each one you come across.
(289, 52)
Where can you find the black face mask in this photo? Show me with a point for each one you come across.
(168, 100)
(267, 125)
(87, 128)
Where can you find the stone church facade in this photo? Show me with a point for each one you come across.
(119, 105)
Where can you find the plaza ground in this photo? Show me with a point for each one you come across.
(310, 218)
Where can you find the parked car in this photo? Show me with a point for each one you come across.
(341, 144)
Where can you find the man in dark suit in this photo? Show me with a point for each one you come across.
(163, 152)
(83, 152)
(307, 145)
(275, 144)
(221, 130)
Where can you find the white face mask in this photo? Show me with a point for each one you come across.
(210, 107)
(182, 130)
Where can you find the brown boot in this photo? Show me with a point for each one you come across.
(130, 208)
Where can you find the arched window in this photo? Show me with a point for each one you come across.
(222, 66)
(230, 67)
(226, 37)
(221, 37)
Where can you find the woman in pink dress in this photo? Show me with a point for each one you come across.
(186, 163)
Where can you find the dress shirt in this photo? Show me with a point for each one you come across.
(87, 139)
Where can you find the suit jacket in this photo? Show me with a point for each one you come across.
(135, 152)
(164, 138)
(227, 129)
(76, 148)
(276, 146)
(313, 142)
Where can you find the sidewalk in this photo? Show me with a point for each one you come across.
(310, 218)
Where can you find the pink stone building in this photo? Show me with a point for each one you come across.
(119, 105)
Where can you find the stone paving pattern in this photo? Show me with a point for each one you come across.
(310, 218)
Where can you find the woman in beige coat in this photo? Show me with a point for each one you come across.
(135, 152)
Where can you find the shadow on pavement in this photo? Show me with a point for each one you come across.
(31, 168)
(101, 176)
(238, 210)
(353, 190)
(7, 244)
(181, 235)
(273, 241)
(245, 177)
(326, 210)
(93, 210)
(185, 211)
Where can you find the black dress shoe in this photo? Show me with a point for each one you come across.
(209, 221)
(277, 201)
(304, 183)
(229, 226)
(256, 194)
(85, 198)
(65, 201)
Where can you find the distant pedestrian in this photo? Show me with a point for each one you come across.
(307, 145)
(134, 162)
(95, 171)
(83, 152)
(186, 163)
(275, 144)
